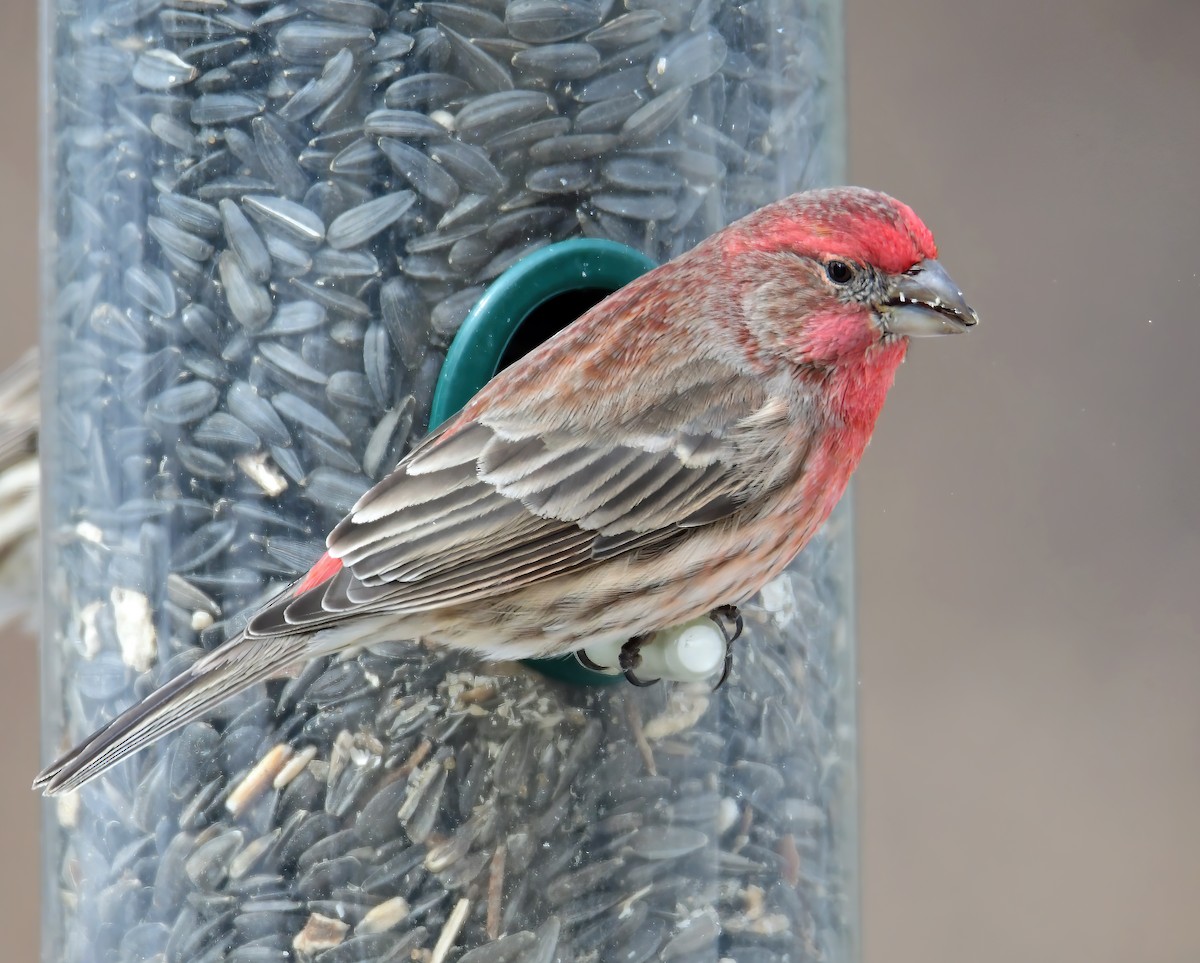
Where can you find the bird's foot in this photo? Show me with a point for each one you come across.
(729, 620)
(630, 659)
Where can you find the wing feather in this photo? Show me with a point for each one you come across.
(382, 532)
(571, 499)
(481, 509)
(400, 562)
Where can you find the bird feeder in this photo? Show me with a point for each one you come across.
(283, 240)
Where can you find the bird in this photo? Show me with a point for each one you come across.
(661, 458)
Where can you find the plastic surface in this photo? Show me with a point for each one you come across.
(266, 223)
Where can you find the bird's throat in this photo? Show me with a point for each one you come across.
(857, 386)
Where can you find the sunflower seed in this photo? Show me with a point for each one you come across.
(250, 303)
(162, 70)
(360, 224)
(234, 185)
(241, 145)
(545, 21)
(207, 866)
(223, 430)
(469, 206)
(361, 157)
(214, 109)
(481, 70)
(655, 116)
(640, 207)
(402, 124)
(307, 418)
(641, 174)
(315, 41)
(607, 115)
(619, 83)
(151, 288)
(295, 317)
(175, 133)
(171, 236)
(289, 463)
(473, 21)
(360, 12)
(244, 242)
(184, 404)
(425, 92)
(424, 175)
(339, 265)
(290, 365)
(572, 147)
(180, 24)
(377, 363)
(293, 221)
(383, 447)
(277, 158)
(335, 490)
(561, 61)
(326, 453)
(320, 90)
(688, 60)
(256, 413)
(449, 314)
(492, 114)
(313, 160)
(289, 259)
(568, 178)
(521, 137)
(336, 114)
(350, 389)
(628, 29)
(392, 44)
(332, 299)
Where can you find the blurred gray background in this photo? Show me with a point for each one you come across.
(1028, 530)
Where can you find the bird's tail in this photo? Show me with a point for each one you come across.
(238, 664)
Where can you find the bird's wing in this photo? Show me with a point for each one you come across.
(494, 503)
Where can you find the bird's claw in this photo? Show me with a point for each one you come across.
(729, 620)
(587, 662)
(630, 659)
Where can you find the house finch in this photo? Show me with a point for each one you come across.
(661, 458)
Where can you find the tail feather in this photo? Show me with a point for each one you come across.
(220, 675)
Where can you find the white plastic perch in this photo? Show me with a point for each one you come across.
(690, 652)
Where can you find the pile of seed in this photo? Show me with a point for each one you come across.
(269, 219)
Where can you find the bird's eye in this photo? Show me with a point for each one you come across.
(839, 272)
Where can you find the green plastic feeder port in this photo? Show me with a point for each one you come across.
(535, 298)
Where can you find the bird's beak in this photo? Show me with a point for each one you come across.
(925, 301)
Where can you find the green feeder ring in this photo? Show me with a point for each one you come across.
(535, 298)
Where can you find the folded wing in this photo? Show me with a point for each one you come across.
(487, 506)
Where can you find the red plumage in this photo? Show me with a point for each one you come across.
(325, 568)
